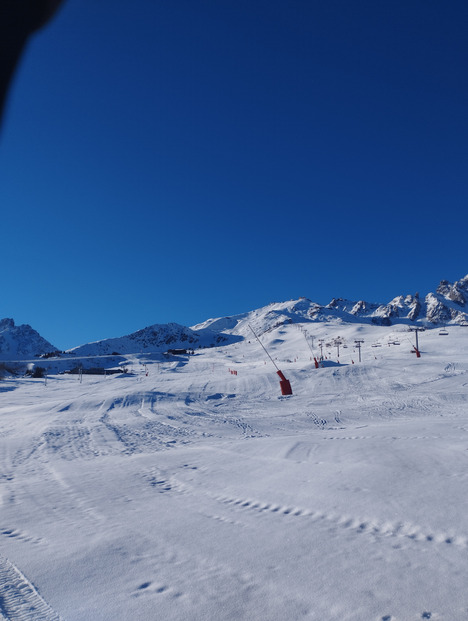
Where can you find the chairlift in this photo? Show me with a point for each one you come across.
(443, 332)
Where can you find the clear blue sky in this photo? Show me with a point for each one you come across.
(174, 160)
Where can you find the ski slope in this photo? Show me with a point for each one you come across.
(192, 493)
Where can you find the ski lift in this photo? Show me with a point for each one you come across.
(443, 332)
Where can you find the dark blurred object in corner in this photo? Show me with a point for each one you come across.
(18, 20)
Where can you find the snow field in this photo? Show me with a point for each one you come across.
(193, 493)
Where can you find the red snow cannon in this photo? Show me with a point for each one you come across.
(285, 384)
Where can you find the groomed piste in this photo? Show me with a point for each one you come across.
(181, 490)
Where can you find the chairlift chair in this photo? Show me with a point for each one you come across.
(443, 332)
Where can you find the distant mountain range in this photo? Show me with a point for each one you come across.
(448, 305)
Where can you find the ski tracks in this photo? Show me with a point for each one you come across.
(367, 526)
(370, 526)
(233, 509)
(19, 599)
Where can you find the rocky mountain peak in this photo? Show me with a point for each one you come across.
(6, 323)
(21, 342)
(452, 292)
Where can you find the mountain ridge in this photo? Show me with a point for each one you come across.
(448, 305)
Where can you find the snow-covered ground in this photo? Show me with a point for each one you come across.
(196, 494)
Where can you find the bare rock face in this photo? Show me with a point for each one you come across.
(414, 305)
(437, 311)
(452, 292)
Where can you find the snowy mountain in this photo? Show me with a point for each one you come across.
(21, 342)
(155, 338)
(447, 306)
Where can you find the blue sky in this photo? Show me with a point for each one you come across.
(178, 160)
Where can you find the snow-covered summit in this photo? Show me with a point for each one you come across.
(448, 305)
(263, 319)
(21, 342)
(155, 338)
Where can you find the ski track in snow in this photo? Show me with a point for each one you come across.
(374, 527)
(19, 600)
(359, 525)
